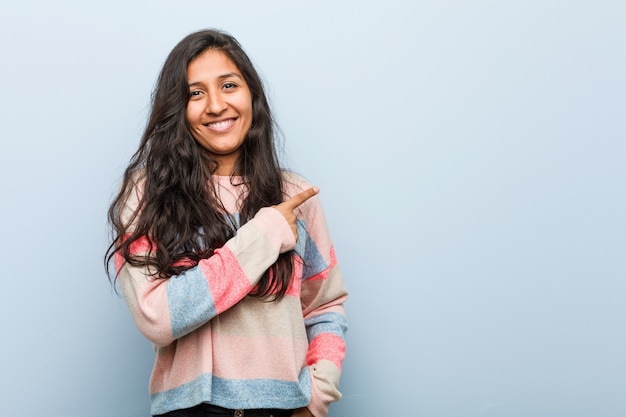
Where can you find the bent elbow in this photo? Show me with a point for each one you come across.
(157, 335)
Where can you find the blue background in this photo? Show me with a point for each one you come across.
(471, 160)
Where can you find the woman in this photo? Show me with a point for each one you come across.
(223, 257)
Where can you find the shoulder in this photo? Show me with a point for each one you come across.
(135, 186)
(311, 217)
(294, 183)
(132, 192)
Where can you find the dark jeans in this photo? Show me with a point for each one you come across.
(209, 410)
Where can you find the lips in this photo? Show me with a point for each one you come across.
(220, 125)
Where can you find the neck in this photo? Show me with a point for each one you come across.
(226, 165)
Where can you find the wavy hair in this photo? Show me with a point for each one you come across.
(178, 211)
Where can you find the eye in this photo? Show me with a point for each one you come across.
(229, 86)
(194, 94)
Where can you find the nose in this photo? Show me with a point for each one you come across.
(215, 103)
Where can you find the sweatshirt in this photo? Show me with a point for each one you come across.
(214, 343)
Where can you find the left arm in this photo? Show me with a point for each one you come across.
(322, 297)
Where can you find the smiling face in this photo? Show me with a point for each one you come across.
(219, 111)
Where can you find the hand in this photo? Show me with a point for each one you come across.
(301, 412)
(286, 208)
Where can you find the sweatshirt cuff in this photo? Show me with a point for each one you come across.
(276, 228)
(324, 387)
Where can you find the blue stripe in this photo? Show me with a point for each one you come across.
(301, 243)
(190, 301)
(306, 248)
(257, 393)
(334, 323)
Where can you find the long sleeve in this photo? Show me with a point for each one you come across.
(166, 309)
(322, 297)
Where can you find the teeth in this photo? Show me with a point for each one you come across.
(221, 124)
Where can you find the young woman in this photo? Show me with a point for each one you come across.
(224, 258)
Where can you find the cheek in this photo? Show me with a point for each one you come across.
(192, 113)
(244, 104)
(248, 112)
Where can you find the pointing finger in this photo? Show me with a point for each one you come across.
(300, 198)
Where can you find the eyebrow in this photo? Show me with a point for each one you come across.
(221, 77)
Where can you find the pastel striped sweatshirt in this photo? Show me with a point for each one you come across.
(214, 343)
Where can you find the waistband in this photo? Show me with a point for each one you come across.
(250, 412)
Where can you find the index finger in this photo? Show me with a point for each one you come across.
(300, 198)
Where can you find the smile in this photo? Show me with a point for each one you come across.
(221, 124)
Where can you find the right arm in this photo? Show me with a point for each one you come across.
(166, 309)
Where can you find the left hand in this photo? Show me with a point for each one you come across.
(301, 412)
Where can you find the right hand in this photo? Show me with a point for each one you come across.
(286, 208)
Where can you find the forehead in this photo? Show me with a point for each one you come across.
(211, 63)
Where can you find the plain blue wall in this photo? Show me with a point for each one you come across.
(471, 156)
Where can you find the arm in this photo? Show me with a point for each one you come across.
(323, 295)
(166, 309)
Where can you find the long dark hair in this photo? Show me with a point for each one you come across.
(178, 211)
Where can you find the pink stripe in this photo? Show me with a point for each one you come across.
(295, 285)
(119, 262)
(227, 281)
(326, 346)
(172, 370)
(141, 245)
(241, 357)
